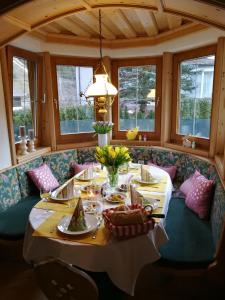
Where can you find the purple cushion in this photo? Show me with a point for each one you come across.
(171, 170)
(187, 185)
(77, 168)
(198, 198)
(43, 178)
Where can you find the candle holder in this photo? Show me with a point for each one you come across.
(31, 137)
(23, 145)
(31, 147)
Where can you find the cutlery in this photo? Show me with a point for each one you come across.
(98, 225)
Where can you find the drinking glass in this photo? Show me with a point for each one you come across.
(141, 162)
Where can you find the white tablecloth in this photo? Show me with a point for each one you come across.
(122, 260)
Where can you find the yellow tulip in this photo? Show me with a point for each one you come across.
(117, 150)
(112, 153)
(127, 156)
(102, 160)
(99, 150)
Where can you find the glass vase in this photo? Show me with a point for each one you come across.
(113, 176)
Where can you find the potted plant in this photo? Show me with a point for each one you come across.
(102, 128)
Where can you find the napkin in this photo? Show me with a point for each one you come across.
(145, 174)
(78, 222)
(135, 196)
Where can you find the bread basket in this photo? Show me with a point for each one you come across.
(128, 231)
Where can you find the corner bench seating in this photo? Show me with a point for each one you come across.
(191, 240)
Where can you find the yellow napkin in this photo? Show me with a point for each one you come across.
(49, 229)
(67, 207)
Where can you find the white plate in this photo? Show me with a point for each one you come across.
(153, 181)
(108, 199)
(55, 198)
(82, 179)
(91, 207)
(91, 222)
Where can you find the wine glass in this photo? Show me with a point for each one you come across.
(141, 162)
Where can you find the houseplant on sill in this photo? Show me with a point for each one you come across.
(102, 128)
(112, 158)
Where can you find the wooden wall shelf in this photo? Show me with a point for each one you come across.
(39, 151)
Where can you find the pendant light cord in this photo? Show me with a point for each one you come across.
(100, 34)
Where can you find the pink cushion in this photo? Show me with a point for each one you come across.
(43, 178)
(171, 170)
(77, 168)
(187, 185)
(198, 198)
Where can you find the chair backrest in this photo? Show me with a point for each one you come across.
(59, 280)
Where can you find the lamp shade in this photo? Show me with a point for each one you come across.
(101, 87)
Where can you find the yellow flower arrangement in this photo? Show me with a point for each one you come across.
(111, 156)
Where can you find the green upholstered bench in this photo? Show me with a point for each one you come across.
(18, 194)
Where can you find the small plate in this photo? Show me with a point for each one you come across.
(113, 199)
(91, 221)
(91, 207)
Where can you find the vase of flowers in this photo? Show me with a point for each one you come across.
(112, 158)
(102, 128)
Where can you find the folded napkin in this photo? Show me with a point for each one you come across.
(135, 196)
(145, 174)
(87, 173)
(78, 222)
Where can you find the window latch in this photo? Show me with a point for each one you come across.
(56, 103)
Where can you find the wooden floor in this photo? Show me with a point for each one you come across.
(17, 282)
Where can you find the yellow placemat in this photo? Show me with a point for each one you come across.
(159, 187)
(49, 229)
(67, 207)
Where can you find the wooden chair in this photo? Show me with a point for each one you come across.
(59, 280)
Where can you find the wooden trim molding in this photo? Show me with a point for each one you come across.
(116, 64)
(8, 104)
(202, 143)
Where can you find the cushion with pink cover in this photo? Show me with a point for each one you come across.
(77, 168)
(198, 198)
(171, 170)
(43, 178)
(187, 185)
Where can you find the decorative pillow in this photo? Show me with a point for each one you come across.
(43, 178)
(171, 170)
(187, 185)
(77, 168)
(198, 199)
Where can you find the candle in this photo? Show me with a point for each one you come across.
(31, 134)
(22, 131)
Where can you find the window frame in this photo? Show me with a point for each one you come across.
(70, 61)
(202, 143)
(116, 64)
(35, 57)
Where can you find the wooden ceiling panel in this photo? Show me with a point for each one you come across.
(161, 21)
(134, 21)
(174, 21)
(8, 30)
(44, 9)
(92, 21)
(120, 20)
(143, 3)
(193, 9)
(148, 21)
(73, 27)
(108, 23)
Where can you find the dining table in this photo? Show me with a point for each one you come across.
(99, 250)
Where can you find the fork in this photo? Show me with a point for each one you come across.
(98, 225)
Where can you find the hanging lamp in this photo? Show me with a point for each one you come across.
(102, 89)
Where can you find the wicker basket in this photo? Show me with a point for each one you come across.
(128, 231)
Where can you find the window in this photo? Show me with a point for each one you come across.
(137, 103)
(25, 72)
(193, 93)
(74, 115)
